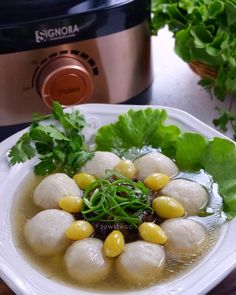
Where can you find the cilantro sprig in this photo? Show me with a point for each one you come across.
(58, 148)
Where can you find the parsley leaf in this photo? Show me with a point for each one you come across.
(22, 151)
(70, 121)
(45, 166)
(59, 147)
(53, 132)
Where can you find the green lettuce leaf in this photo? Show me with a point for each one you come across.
(190, 150)
(215, 8)
(181, 44)
(138, 129)
(220, 162)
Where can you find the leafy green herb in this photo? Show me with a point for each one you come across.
(204, 31)
(226, 119)
(115, 201)
(22, 151)
(138, 129)
(58, 148)
(207, 83)
(190, 150)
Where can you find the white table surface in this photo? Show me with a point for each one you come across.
(176, 85)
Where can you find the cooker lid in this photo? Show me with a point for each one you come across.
(14, 11)
(82, 5)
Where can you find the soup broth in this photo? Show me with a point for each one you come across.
(54, 268)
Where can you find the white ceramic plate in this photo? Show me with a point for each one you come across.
(24, 279)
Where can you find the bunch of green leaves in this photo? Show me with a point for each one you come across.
(137, 129)
(58, 148)
(191, 151)
(116, 200)
(204, 31)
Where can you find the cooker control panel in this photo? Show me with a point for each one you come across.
(64, 79)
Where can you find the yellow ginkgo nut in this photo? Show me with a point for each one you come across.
(126, 168)
(153, 233)
(71, 204)
(114, 244)
(79, 230)
(167, 207)
(83, 180)
(156, 181)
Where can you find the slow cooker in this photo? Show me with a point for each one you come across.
(71, 51)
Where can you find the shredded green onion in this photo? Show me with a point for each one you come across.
(116, 200)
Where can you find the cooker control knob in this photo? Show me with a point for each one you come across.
(66, 80)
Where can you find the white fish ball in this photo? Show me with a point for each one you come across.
(101, 162)
(191, 195)
(154, 162)
(141, 262)
(54, 187)
(45, 232)
(185, 236)
(85, 261)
